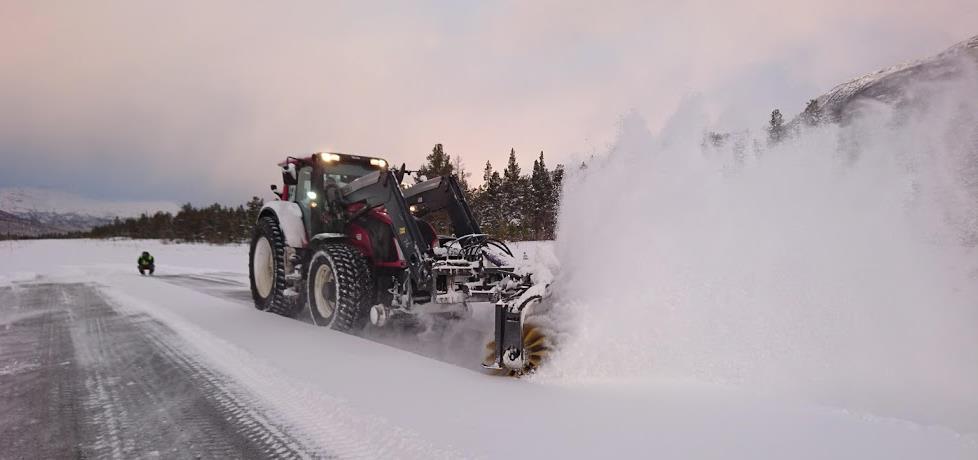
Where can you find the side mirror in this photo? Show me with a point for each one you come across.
(399, 173)
(289, 176)
(275, 191)
(274, 187)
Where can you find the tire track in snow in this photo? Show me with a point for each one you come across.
(38, 399)
(305, 411)
(237, 407)
(113, 385)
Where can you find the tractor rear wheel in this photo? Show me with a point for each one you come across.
(266, 269)
(340, 287)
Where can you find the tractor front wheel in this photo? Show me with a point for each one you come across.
(266, 268)
(339, 283)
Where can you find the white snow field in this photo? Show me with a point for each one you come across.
(351, 397)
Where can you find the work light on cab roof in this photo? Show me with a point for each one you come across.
(330, 157)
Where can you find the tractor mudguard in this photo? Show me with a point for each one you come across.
(289, 217)
(327, 237)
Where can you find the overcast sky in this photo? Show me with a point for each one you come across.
(198, 100)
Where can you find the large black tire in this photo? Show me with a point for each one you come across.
(266, 269)
(340, 287)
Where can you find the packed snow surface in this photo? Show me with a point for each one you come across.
(355, 398)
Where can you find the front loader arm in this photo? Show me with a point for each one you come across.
(444, 193)
(381, 188)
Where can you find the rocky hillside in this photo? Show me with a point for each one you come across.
(894, 85)
(32, 211)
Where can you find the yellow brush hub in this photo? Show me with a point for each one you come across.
(536, 346)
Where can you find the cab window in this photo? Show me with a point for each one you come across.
(301, 196)
(344, 173)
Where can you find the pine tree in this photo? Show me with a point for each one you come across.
(252, 209)
(557, 175)
(214, 224)
(557, 178)
(776, 130)
(715, 139)
(812, 116)
(183, 223)
(486, 202)
(533, 226)
(438, 164)
(487, 173)
(512, 173)
(514, 193)
(542, 211)
(462, 175)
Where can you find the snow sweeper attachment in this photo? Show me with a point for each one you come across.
(483, 269)
(346, 240)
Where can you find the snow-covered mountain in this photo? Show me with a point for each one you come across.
(895, 85)
(35, 211)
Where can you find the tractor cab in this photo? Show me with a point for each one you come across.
(314, 183)
(325, 168)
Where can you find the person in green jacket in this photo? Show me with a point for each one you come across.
(145, 263)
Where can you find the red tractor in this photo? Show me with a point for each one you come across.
(345, 238)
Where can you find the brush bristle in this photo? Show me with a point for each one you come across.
(536, 345)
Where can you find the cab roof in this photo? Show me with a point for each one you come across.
(342, 157)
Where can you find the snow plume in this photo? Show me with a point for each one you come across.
(840, 265)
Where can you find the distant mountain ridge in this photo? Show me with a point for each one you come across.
(36, 211)
(892, 85)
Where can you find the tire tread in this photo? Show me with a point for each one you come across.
(354, 281)
(278, 302)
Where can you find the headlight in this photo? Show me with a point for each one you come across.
(327, 157)
(311, 195)
(378, 163)
(413, 208)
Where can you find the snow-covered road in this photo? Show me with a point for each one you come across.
(83, 380)
(231, 381)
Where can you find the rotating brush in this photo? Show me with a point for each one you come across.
(537, 345)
